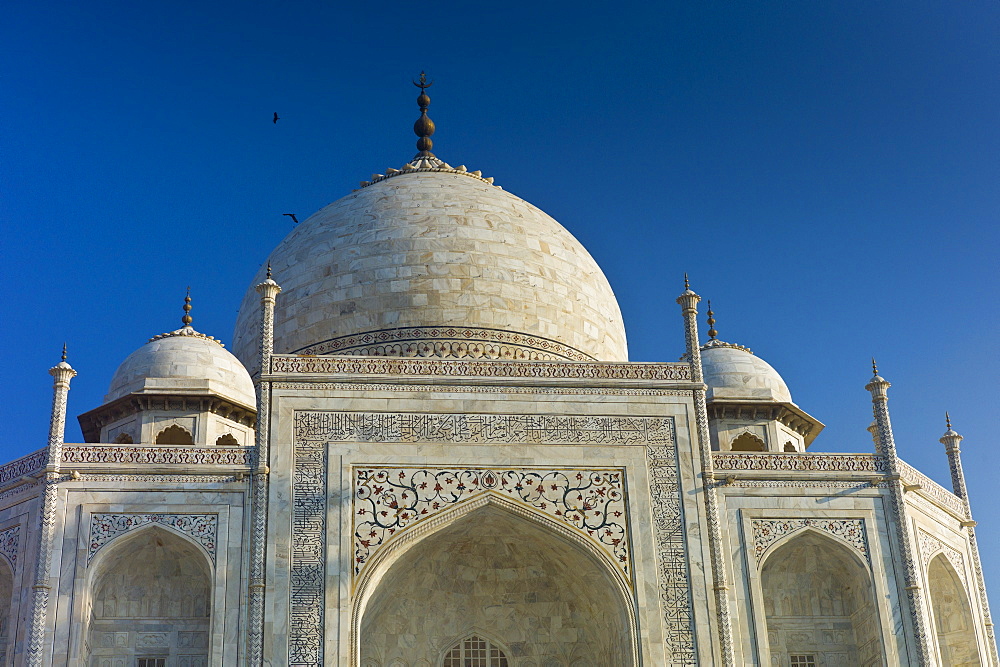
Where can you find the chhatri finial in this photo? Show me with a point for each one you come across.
(424, 127)
(947, 420)
(268, 269)
(64, 352)
(187, 319)
(712, 333)
(687, 285)
(874, 367)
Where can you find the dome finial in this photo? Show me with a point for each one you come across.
(64, 352)
(712, 333)
(874, 368)
(687, 285)
(187, 319)
(424, 127)
(268, 269)
(947, 420)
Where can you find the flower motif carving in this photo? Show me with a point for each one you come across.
(477, 368)
(9, 544)
(203, 528)
(387, 501)
(768, 531)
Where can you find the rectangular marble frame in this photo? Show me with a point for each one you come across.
(742, 505)
(80, 499)
(287, 399)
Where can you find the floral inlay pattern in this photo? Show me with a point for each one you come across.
(203, 528)
(390, 500)
(768, 531)
(9, 540)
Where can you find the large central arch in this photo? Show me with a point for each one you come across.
(498, 570)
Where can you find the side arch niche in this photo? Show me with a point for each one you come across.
(6, 621)
(819, 602)
(953, 623)
(503, 575)
(748, 442)
(150, 597)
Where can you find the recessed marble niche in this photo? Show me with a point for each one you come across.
(502, 578)
(953, 622)
(819, 602)
(151, 598)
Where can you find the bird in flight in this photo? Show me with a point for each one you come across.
(275, 117)
(292, 216)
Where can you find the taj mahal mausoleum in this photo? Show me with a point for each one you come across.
(426, 446)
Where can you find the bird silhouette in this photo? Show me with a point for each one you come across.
(275, 117)
(292, 216)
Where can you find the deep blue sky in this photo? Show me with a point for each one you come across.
(826, 171)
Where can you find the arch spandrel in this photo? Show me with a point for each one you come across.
(390, 502)
(511, 547)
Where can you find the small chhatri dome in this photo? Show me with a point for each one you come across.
(733, 371)
(181, 362)
(432, 260)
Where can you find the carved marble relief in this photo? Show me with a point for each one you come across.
(9, 545)
(202, 528)
(768, 531)
(388, 501)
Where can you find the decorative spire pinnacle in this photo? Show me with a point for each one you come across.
(687, 285)
(424, 127)
(712, 333)
(947, 420)
(187, 319)
(268, 269)
(874, 368)
(64, 352)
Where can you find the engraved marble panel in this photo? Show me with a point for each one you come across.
(768, 531)
(388, 501)
(9, 545)
(105, 527)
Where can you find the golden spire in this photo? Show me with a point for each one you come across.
(947, 420)
(64, 352)
(712, 333)
(687, 285)
(424, 127)
(874, 367)
(187, 319)
(268, 269)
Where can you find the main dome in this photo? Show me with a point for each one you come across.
(435, 262)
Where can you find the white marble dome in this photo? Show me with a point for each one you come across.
(435, 262)
(183, 362)
(733, 372)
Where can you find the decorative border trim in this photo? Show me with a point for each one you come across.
(485, 428)
(388, 501)
(768, 531)
(202, 528)
(128, 454)
(10, 542)
(477, 389)
(448, 343)
(25, 465)
(676, 604)
(931, 489)
(801, 462)
(566, 370)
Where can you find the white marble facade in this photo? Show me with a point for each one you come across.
(430, 473)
